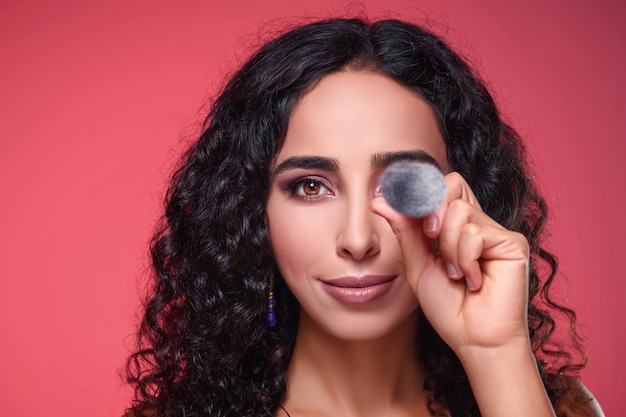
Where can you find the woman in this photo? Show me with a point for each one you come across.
(285, 285)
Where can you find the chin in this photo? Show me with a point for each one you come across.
(365, 326)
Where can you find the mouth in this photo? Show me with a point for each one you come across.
(359, 290)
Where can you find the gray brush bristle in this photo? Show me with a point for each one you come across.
(415, 189)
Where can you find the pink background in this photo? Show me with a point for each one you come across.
(95, 98)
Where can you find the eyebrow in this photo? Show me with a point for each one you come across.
(317, 162)
(381, 160)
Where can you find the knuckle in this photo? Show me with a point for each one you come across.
(521, 242)
(470, 230)
(454, 178)
(458, 207)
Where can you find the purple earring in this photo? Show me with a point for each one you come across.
(271, 304)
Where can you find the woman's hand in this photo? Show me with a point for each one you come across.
(469, 273)
(470, 276)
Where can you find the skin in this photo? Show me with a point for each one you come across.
(330, 221)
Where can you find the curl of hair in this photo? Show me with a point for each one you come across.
(203, 346)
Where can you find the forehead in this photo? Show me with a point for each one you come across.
(354, 112)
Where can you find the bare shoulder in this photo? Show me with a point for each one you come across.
(594, 405)
(577, 401)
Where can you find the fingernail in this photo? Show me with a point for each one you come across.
(430, 224)
(470, 284)
(452, 272)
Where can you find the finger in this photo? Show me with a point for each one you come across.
(481, 243)
(400, 224)
(414, 244)
(469, 251)
(458, 189)
(456, 227)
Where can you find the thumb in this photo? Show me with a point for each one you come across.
(415, 245)
(401, 225)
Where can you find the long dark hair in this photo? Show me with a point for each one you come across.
(203, 346)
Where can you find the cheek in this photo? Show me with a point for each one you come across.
(300, 236)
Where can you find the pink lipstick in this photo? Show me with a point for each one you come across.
(360, 290)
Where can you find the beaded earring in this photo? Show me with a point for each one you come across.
(271, 304)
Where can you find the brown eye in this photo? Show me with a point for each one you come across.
(311, 188)
(308, 188)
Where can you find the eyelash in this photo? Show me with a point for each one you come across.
(293, 188)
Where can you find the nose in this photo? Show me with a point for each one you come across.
(358, 239)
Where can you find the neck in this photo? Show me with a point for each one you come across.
(331, 376)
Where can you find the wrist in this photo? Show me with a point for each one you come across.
(505, 380)
(516, 349)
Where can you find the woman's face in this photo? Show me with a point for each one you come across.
(341, 261)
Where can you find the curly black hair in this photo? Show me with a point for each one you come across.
(204, 348)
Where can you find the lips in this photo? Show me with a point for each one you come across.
(359, 290)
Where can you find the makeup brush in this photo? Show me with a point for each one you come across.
(415, 189)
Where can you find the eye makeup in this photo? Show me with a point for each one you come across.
(308, 188)
(297, 176)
